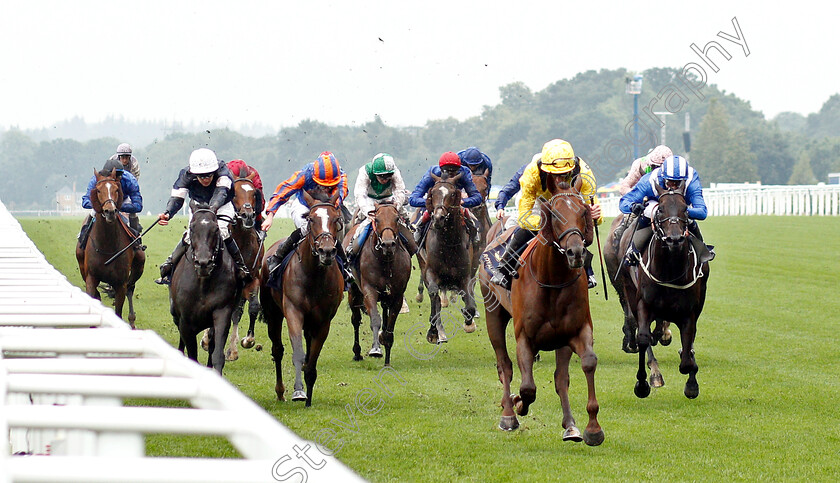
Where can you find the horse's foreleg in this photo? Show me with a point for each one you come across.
(356, 320)
(629, 344)
(310, 369)
(470, 308)
(435, 335)
(254, 309)
(688, 365)
(294, 321)
(390, 311)
(211, 345)
(527, 388)
(497, 321)
(420, 286)
(119, 299)
(232, 353)
(274, 321)
(561, 387)
(656, 379)
(129, 296)
(191, 345)
(371, 301)
(221, 327)
(91, 284)
(593, 435)
(643, 339)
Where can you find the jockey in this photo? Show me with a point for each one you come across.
(239, 169)
(206, 180)
(324, 175)
(674, 172)
(476, 161)
(511, 188)
(556, 158)
(130, 164)
(380, 181)
(642, 166)
(449, 166)
(132, 200)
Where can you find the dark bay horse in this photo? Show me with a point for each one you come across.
(669, 284)
(447, 259)
(312, 289)
(243, 231)
(382, 273)
(108, 236)
(549, 303)
(204, 288)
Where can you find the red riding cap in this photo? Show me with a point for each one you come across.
(449, 158)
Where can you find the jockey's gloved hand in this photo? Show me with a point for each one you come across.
(637, 209)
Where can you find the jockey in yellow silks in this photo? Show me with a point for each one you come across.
(557, 157)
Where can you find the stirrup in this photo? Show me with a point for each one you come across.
(591, 281)
(632, 257)
(163, 280)
(502, 279)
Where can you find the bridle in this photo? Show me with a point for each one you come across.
(111, 200)
(239, 215)
(218, 249)
(378, 245)
(314, 240)
(659, 223)
(659, 231)
(568, 231)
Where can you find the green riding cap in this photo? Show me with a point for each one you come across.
(383, 163)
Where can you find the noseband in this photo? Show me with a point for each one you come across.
(379, 234)
(323, 234)
(659, 224)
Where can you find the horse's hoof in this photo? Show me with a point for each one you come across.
(432, 337)
(357, 357)
(642, 389)
(692, 390)
(381, 340)
(518, 405)
(469, 328)
(656, 380)
(442, 339)
(629, 346)
(205, 344)
(572, 433)
(375, 352)
(593, 439)
(666, 337)
(509, 423)
(247, 342)
(258, 347)
(299, 396)
(418, 297)
(231, 356)
(405, 309)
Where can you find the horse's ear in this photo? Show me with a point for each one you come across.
(250, 177)
(681, 187)
(659, 189)
(193, 205)
(308, 199)
(485, 172)
(334, 197)
(455, 178)
(434, 177)
(578, 183)
(96, 173)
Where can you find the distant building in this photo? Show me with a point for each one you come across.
(68, 201)
(833, 178)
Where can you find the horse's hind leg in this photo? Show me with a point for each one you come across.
(527, 388)
(354, 301)
(232, 353)
(561, 386)
(470, 309)
(129, 296)
(371, 304)
(274, 321)
(688, 365)
(254, 309)
(435, 335)
(642, 388)
(420, 286)
(656, 379)
(628, 344)
(119, 299)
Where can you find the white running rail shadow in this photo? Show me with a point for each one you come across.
(67, 362)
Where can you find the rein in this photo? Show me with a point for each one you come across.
(314, 243)
(659, 231)
(218, 249)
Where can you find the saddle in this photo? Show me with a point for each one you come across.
(275, 278)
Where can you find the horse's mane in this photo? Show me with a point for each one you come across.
(105, 172)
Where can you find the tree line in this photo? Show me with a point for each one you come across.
(733, 142)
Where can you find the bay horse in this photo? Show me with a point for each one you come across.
(669, 284)
(382, 273)
(613, 258)
(108, 236)
(447, 259)
(204, 288)
(248, 240)
(312, 289)
(549, 303)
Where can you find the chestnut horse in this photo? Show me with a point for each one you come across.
(447, 259)
(549, 303)
(669, 284)
(248, 240)
(108, 236)
(312, 289)
(382, 273)
(204, 288)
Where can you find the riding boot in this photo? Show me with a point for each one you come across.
(420, 233)
(408, 238)
(508, 267)
(344, 264)
(273, 261)
(134, 223)
(171, 262)
(591, 281)
(472, 229)
(705, 253)
(640, 238)
(242, 271)
(85, 231)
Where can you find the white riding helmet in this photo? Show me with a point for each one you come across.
(203, 161)
(124, 149)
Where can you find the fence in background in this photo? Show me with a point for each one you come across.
(67, 363)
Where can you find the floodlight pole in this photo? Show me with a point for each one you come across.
(662, 131)
(634, 87)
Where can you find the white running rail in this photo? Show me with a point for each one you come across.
(67, 362)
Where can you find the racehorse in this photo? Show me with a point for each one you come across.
(204, 288)
(312, 289)
(613, 258)
(549, 303)
(382, 273)
(447, 259)
(108, 236)
(250, 244)
(669, 284)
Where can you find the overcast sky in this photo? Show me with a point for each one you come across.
(343, 62)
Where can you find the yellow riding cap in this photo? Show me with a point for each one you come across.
(531, 187)
(557, 157)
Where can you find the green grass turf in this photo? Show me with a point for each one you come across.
(766, 347)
